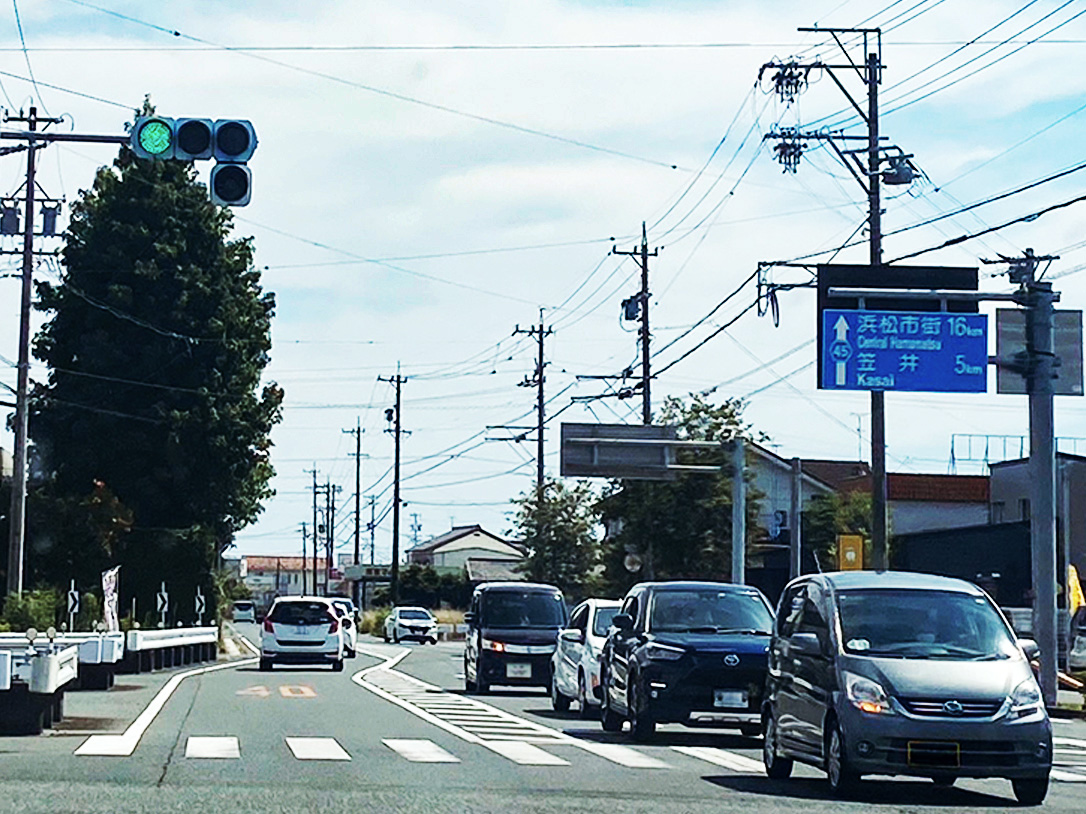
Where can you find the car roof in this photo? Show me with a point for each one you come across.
(695, 585)
(899, 580)
(517, 586)
(412, 607)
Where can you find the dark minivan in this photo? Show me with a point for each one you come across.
(686, 652)
(896, 673)
(512, 631)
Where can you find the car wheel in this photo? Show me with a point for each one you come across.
(1030, 791)
(582, 696)
(609, 719)
(469, 686)
(843, 778)
(384, 634)
(776, 767)
(559, 701)
(337, 666)
(642, 724)
(395, 635)
(351, 653)
(265, 665)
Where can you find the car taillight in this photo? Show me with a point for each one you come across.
(332, 628)
(268, 626)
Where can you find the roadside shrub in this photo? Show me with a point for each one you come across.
(39, 609)
(373, 621)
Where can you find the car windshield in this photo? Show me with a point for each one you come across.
(300, 613)
(523, 609)
(923, 624)
(709, 611)
(602, 621)
(415, 613)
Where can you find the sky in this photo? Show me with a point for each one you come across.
(430, 175)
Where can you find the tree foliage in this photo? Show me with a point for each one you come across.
(558, 526)
(678, 529)
(422, 585)
(826, 516)
(152, 433)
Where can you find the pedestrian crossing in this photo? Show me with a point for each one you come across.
(1069, 765)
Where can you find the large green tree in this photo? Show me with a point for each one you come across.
(152, 432)
(558, 525)
(679, 529)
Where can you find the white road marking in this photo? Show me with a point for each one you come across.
(212, 747)
(720, 757)
(525, 753)
(1069, 742)
(420, 751)
(124, 745)
(317, 749)
(622, 755)
(1068, 777)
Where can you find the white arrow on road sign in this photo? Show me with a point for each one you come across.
(841, 327)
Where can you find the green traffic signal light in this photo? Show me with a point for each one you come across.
(155, 137)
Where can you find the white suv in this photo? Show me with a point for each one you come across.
(411, 623)
(302, 630)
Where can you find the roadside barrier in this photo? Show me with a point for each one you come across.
(150, 650)
(33, 678)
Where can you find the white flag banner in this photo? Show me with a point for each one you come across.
(109, 593)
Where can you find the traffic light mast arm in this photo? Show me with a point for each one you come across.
(86, 138)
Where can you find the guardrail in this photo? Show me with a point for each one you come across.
(149, 650)
(451, 632)
(99, 654)
(33, 678)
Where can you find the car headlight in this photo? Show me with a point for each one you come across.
(1026, 698)
(490, 644)
(663, 652)
(867, 695)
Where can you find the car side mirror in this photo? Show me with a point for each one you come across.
(347, 622)
(573, 635)
(806, 644)
(1030, 648)
(623, 621)
(469, 618)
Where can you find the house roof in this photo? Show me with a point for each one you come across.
(906, 486)
(455, 533)
(483, 570)
(265, 563)
(835, 473)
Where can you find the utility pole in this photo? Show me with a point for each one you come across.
(540, 333)
(305, 542)
(313, 472)
(643, 254)
(416, 527)
(329, 537)
(393, 415)
(17, 515)
(789, 79)
(373, 527)
(357, 433)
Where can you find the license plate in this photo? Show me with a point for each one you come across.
(518, 670)
(934, 754)
(730, 699)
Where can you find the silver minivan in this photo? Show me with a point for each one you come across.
(895, 673)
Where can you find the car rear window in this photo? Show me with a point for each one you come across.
(243, 606)
(300, 613)
(523, 609)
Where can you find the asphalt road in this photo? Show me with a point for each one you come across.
(395, 732)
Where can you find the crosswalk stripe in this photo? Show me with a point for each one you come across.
(525, 753)
(622, 755)
(1068, 777)
(420, 751)
(1069, 742)
(317, 749)
(721, 757)
(212, 747)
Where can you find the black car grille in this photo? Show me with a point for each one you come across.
(951, 707)
(952, 754)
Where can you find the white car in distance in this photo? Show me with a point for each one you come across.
(410, 623)
(575, 666)
(302, 630)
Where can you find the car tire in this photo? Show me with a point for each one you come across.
(337, 666)
(351, 653)
(265, 665)
(609, 719)
(469, 686)
(395, 636)
(843, 779)
(776, 767)
(582, 697)
(1030, 791)
(642, 724)
(384, 634)
(559, 701)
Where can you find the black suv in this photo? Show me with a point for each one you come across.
(686, 652)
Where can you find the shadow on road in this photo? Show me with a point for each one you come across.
(879, 792)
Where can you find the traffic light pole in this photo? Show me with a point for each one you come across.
(394, 582)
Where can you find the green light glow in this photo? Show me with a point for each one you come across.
(155, 137)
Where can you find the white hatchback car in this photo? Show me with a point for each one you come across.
(575, 666)
(302, 630)
(411, 623)
(244, 611)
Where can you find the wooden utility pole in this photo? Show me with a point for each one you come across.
(537, 381)
(393, 415)
(643, 254)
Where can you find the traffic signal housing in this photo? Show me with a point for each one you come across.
(231, 142)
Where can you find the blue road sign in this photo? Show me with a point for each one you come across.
(903, 350)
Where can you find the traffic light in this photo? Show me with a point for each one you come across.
(231, 142)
